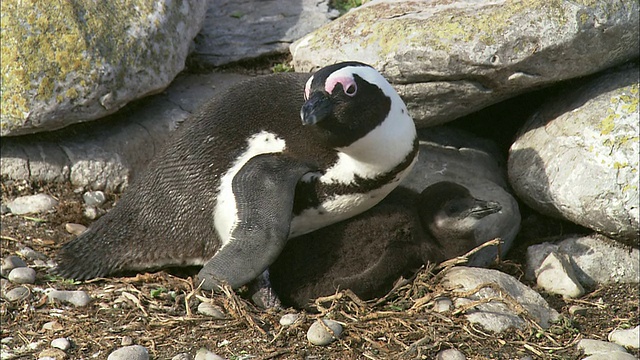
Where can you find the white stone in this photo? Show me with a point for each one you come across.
(590, 346)
(318, 334)
(556, 276)
(133, 352)
(32, 204)
(61, 343)
(450, 354)
(613, 355)
(289, 319)
(75, 229)
(629, 338)
(22, 275)
(497, 316)
(94, 198)
(204, 354)
(442, 304)
(76, 298)
(594, 258)
(209, 309)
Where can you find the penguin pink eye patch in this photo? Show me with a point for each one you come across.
(349, 85)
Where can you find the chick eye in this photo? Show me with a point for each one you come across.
(351, 90)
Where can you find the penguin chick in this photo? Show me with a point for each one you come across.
(270, 158)
(369, 252)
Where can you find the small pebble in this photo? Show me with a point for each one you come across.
(92, 212)
(52, 326)
(55, 354)
(577, 310)
(442, 304)
(22, 275)
(6, 340)
(30, 254)
(32, 204)
(318, 335)
(209, 309)
(629, 338)
(94, 198)
(61, 343)
(450, 354)
(182, 356)
(75, 229)
(126, 341)
(204, 354)
(18, 294)
(289, 319)
(76, 298)
(11, 262)
(133, 352)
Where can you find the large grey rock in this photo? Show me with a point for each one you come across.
(75, 62)
(497, 316)
(577, 158)
(594, 258)
(105, 155)
(453, 155)
(450, 58)
(133, 352)
(626, 337)
(239, 30)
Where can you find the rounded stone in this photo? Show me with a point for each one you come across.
(319, 335)
(94, 198)
(182, 356)
(133, 352)
(75, 229)
(126, 341)
(32, 204)
(18, 294)
(450, 354)
(289, 319)
(442, 304)
(209, 309)
(204, 354)
(56, 354)
(61, 343)
(629, 338)
(11, 262)
(77, 298)
(52, 326)
(22, 275)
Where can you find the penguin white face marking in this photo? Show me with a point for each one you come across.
(384, 147)
(307, 88)
(225, 214)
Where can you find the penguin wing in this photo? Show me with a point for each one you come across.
(264, 191)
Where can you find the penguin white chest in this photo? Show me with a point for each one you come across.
(225, 213)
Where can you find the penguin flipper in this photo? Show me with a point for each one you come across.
(264, 190)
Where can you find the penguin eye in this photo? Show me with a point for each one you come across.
(351, 90)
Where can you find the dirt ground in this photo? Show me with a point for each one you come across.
(152, 310)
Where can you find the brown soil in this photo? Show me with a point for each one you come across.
(150, 308)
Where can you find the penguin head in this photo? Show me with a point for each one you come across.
(346, 101)
(450, 212)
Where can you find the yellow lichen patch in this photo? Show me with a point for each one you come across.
(51, 45)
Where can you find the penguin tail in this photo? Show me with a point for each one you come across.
(92, 254)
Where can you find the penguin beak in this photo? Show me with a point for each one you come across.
(316, 109)
(483, 208)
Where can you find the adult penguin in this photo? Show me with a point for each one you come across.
(369, 252)
(243, 174)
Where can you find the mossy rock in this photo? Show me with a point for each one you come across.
(68, 62)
